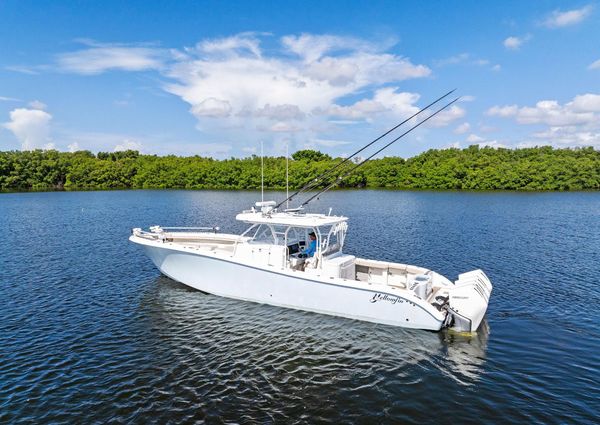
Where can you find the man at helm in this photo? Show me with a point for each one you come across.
(310, 250)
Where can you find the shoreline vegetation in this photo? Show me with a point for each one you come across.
(472, 168)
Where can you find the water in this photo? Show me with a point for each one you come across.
(90, 331)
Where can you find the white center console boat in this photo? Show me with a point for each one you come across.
(265, 265)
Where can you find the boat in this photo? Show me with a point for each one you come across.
(265, 264)
(291, 258)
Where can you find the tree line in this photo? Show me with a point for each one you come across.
(472, 168)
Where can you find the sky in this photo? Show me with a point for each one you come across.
(220, 78)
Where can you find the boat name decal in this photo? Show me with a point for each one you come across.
(385, 297)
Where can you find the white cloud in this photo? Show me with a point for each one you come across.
(496, 68)
(128, 144)
(585, 103)
(235, 87)
(227, 45)
(36, 104)
(453, 60)
(279, 112)
(473, 138)
(31, 127)
(503, 111)
(233, 80)
(311, 47)
(211, 107)
(461, 58)
(575, 123)
(8, 99)
(492, 144)
(595, 65)
(568, 136)
(447, 117)
(559, 19)
(282, 127)
(515, 43)
(462, 128)
(99, 58)
(25, 69)
(581, 110)
(388, 99)
(73, 147)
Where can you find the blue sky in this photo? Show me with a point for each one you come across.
(217, 78)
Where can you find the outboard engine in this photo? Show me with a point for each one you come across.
(469, 300)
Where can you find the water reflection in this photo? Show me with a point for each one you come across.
(225, 338)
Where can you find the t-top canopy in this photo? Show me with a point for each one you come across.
(290, 218)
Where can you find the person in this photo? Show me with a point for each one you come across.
(310, 250)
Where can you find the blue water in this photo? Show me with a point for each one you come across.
(91, 332)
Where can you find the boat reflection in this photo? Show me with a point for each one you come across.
(282, 343)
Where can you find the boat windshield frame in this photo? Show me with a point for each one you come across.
(330, 238)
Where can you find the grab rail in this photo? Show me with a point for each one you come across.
(214, 228)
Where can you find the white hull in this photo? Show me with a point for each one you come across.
(229, 277)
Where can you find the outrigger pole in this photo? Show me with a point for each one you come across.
(327, 172)
(340, 178)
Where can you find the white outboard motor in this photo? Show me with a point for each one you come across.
(421, 286)
(468, 300)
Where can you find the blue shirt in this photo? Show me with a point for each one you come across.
(312, 247)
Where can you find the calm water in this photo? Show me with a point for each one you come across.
(90, 331)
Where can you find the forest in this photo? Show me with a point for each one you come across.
(472, 168)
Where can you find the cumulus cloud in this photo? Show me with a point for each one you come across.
(73, 147)
(559, 19)
(281, 127)
(31, 127)
(128, 144)
(473, 138)
(462, 128)
(515, 43)
(595, 65)
(300, 84)
(36, 104)
(447, 116)
(277, 112)
(581, 110)
(211, 107)
(312, 47)
(98, 58)
(400, 104)
(575, 123)
(233, 80)
(569, 136)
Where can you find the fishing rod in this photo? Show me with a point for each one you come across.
(312, 183)
(340, 178)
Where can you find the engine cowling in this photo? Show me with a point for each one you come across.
(468, 300)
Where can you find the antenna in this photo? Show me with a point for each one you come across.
(262, 173)
(287, 174)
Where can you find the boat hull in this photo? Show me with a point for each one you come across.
(284, 288)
